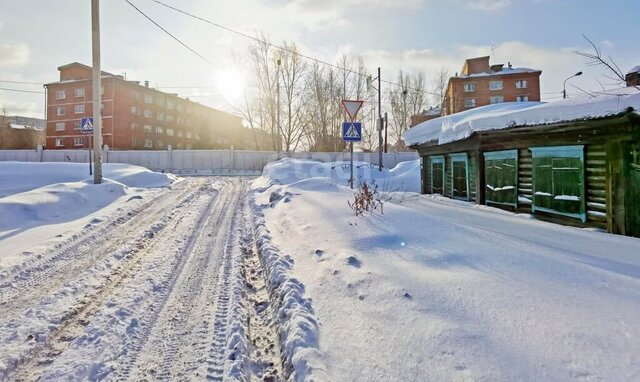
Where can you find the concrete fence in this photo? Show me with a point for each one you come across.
(199, 162)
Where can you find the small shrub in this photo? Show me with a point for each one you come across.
(366, 199)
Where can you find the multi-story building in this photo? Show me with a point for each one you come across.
(134, 116)
(480, 84)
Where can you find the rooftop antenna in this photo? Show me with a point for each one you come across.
(493, 52)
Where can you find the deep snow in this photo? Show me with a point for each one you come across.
(440, 290)
(41, 201)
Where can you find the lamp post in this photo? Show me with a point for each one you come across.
(564, 86)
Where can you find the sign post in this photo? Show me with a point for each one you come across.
(86, 127)
(351, 131)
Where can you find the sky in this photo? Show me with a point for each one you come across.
(37, 36)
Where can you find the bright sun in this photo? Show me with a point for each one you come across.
(230, 84)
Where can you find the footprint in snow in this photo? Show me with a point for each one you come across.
(354, 262)
(319, 252)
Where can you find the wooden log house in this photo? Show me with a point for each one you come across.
(581, 170)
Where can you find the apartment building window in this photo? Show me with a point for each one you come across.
(77, 125)
(59, 142)
(60, 126)
(179, 134)
(160, 101)
(188, 134)
(135, 95)
(160, 116)
(79, 92)
(521, 84)
(148, 143)
(170, 132)
(469, 87)
(148, 98)
(134, 110)
(169, 118)
(78, 141)
(60, 110)
(522, 99)
(61, 94)
(169, 105)
(496, 99)
(79, 109)
(470, 102)
(148, 113)
(147, 128)
(495, 85)
(159, 130)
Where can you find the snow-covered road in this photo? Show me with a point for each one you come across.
(155, 291)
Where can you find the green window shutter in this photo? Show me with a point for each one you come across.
(501, 177)
(459, 176)
(558, 180)
(437, 174)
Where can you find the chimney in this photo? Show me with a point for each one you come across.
(146, 84)
(497, 67)
(509, 63)
(633, 77)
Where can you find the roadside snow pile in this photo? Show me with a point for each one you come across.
(34, 196)
(301, 173)
(16, 177)
(440, 290)
(509, 114)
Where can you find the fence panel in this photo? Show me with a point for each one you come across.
(201, 161)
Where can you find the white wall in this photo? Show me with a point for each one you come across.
(199, 161)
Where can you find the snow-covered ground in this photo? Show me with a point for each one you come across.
(439, 290)
(43, 202)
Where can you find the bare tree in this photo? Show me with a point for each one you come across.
(292, 73)
(595, 58)
(407, 99)
(439, 86)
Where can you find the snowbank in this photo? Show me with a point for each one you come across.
(445, 290)
(509, 114)
(305, 174)
(56, 197)
(16, 177)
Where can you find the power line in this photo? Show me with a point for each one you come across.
(21, 91)
(256, 39)
(169, 33)
(21, 82)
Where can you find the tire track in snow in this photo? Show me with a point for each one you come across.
(73, 321)
(177, 342)
(32, 283)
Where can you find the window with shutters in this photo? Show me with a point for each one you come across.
(558, 180)
(437, 174)
(459, 176)
(501, 177)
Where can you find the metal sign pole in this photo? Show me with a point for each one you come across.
(351, 149)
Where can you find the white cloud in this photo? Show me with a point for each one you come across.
(488, 5)
(14, 55)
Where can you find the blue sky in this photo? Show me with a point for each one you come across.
(37, 36)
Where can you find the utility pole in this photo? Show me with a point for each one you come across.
(97, 117)
(379, 121)
(386, 125)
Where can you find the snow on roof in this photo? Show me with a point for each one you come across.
(635, 69)
(499, 73)
(461, 125)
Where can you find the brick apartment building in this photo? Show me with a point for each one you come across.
(480, 84)
(135, 116)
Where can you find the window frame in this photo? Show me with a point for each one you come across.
(460, 157)
(499, 98)
(58, 109)
(573, 151)
(59, 142)
(75, 141)
(496, 82)
(464, 102)
(522, 82)
(469, 87)
(78, 108)
(61, 94)
(502, 155)
(64, 126)
(434, 159)
(79, 92)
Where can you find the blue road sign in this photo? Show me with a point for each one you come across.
(352, 131)
(86, 126)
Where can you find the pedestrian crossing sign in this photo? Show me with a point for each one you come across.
(352, 131)
(86, 126)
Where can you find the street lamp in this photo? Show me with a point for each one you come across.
(564, 86)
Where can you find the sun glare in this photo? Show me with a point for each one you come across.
(230, 84)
